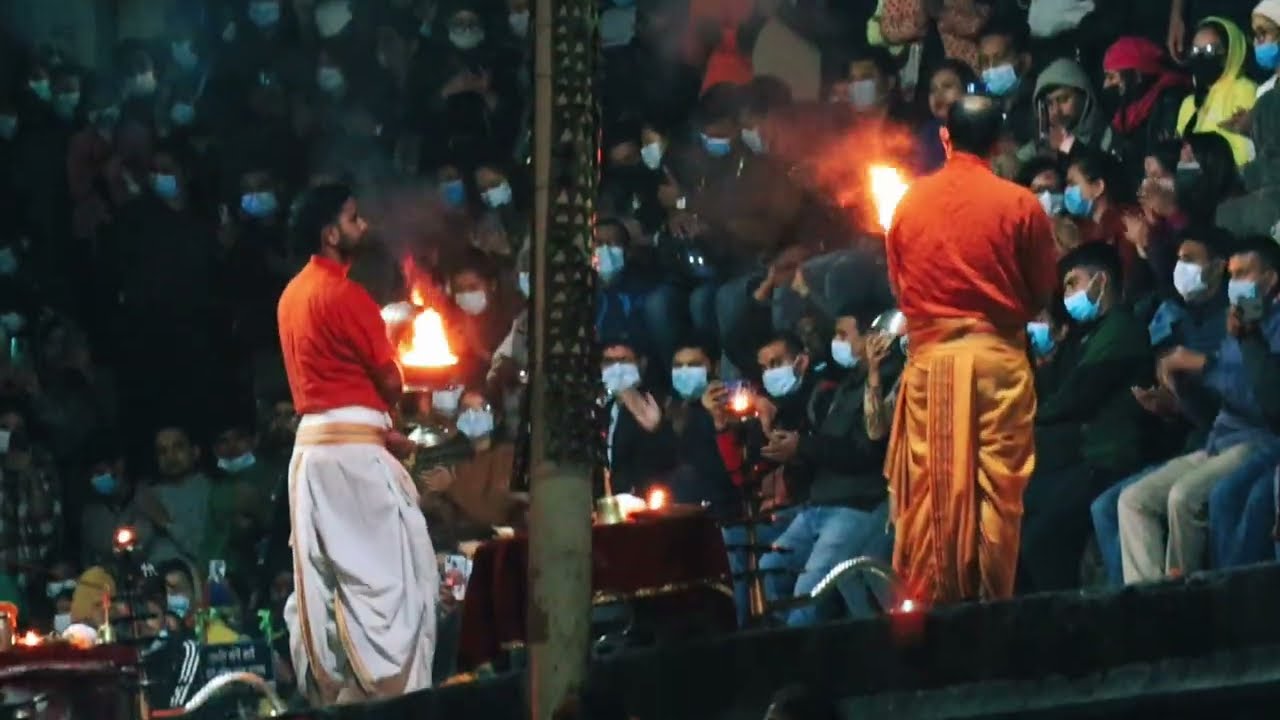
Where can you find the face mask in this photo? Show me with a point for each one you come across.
(144, 83)
(445, 402)
(65, 104)
(1080, 307)
(259, 204)
(8, 262)
(8, 126)
(690, 382)
(716, 147)
(496, 197)
(619, 377)
(1051, 202)
(166, 186)
(519, 22)
(56, 587)
(472, 303)
(1076, 203)
(182, 114)
(842, 353)
(1000, 80)
(184, 55)
(780, 381)
(41, 89)
(475, 424)
(617, 26)
(264, 14)
(1206, 71)
(61, 622)
(1267, 55)
(1240, 291)
(863, 94)
(651, 155)
(523, 281)
(1041, 338)
(332, 18)
(751, 138)
(610, 260)
(178, 605)
(104, 484)
(1188, 279)
(453, 193)
(466, 39)
(237, 464)
(330, 79)
(425, 29)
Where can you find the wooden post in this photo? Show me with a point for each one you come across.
(564, 438)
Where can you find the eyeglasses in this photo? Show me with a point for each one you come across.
(1208, 51)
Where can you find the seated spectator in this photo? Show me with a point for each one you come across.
(1266, 42)
(1097, 197)
(697, 418)
(239, 494)
(1223, 95)
(1004, 59)
(1196, 319)
(1244, 379)
(31, 493)
(113, 501)
(1258, 211)
(1206, 176)
(636, 453)
(1066, 97)
(947, 84)
(627, 280)
(819, 437)
(486, 311)
(1143, 92)
(1043, 176)
(184, 493)
(1089, 428)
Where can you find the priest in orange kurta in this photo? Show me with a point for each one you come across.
(971, 258)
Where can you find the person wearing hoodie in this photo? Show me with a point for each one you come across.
(1257, 212)
(1223, 95)
(1266, 41)
(1070, 112)
(1143, 94)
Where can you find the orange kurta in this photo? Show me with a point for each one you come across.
(972, 259)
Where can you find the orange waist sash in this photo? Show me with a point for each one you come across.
(340, 434)
(925, 334)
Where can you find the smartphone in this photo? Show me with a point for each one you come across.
(457, 571)
(739, 397)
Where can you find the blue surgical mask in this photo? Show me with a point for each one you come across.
(689, 381)
(1080, 307)
(182, 114)
(842, 354)
(453, 193)
(1041, 338)
(1051, 202)
(259, 204)
(467, 39)
(610, 260)
(716, 147)
(620, 376)
(104, 483)
(264, 13)
(523, 281)
(41, 89)
(165, 185)
(178, 605)
(1074, 201)
(237, 464)
(780, 381)
(65, 104)
(1239, 291)
(330, 79)
(1001, 79)
(184, 55)
(864, 94)
(475, 424)
(496, 197)
(651, 155)
(1267, 55)
(1188, 279)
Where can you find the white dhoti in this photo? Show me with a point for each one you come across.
(362, 616)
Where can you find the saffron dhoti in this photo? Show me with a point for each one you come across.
(361, 619)
(960, 455)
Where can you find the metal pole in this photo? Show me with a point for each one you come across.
(562, 382)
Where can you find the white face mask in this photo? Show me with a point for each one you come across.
(863, 94)
(496, 197)
(332, 17)
(475, 424)
(467, 39)
(519, 22)
(330, 79)
(472, 303)
(61, 622)
(145, 83)
(751, 138)
(620, 376)
(445, 402)
(1188, 280)
(651, 155)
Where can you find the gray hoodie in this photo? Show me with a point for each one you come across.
(1093, 129)
(1258, 212)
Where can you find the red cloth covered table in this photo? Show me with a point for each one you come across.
(671, 558)
(99, 682)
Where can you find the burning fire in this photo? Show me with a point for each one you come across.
(30, 639)
(740, 402)
(887, 189)
(426, 345)
(657, 498)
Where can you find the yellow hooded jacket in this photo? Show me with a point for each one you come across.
(1228, 95)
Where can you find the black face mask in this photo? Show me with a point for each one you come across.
(1206, 71)
(1112, 99)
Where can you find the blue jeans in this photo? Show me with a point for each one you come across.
(1106, 526)
(1242, 514)
(817, 540)
(737, 535)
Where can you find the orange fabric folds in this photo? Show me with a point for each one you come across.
(960, 455)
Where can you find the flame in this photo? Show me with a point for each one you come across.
(30, 639)
(887, 189)
(740, 403)
(125, 537)
(657, 498)
(427, 345)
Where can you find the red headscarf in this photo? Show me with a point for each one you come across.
(1147, 58)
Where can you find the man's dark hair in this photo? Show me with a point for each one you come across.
(1097, 165)
(877, 55)
(975, 124)
(1220, 243)
(790, 340)
(765, 93)
(1095, 256)
(864, 310)
(477, 261)
(961, 69)
(720, 102)
(1037, 165)
(1267, 250)
(1017, 33)
(316, 210)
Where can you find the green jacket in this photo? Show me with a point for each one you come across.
(1087, 414)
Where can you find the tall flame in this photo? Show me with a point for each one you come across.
(887, 189)
(427, 345)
